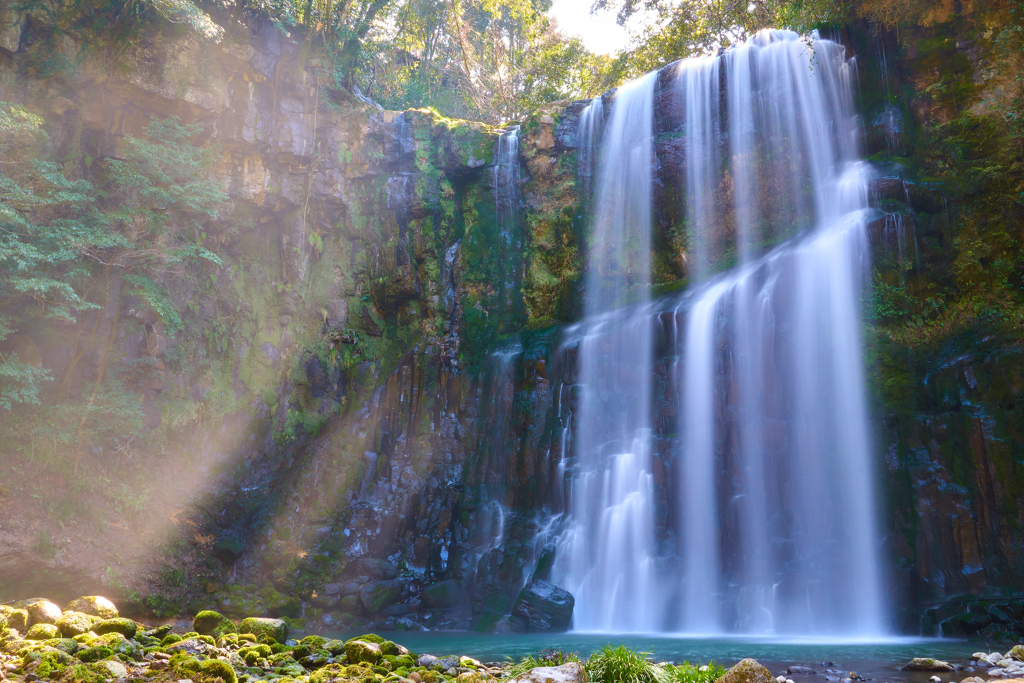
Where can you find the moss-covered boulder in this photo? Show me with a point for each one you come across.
(17, 619)
(73, 623)
(259, 626)
(95, 653)
(332, 673)
(43, 612)
(64, 645)
(747, 671)
(126, 627)
(928, 664)
(113, 668)
(210, 623)
(51, 663)
(1016, 652)
(42, 632)
(214, 668)
(362, 651)
(96, 605)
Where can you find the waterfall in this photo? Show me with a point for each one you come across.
(772, 504)
(607, 554)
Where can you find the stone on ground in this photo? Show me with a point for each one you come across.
(928, 664)
(96, 605)
(573, 672)
(43, 612)
(42, 632)
(73, 624)
(747, 671)
(210, 623)
(259, 626)
(126, 627)
(1016, 652)
(362, 651)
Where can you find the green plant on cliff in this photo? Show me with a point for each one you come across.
(76, 240)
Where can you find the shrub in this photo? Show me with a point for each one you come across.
(690, 673)
(622, 665)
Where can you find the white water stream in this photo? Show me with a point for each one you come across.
(771, 502)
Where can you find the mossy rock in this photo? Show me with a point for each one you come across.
(184, 665)
(72, 623)
(95, 653)
(216, 668)
(332, 673)
(51, 662)
(126, 627)
(43, 612)
(42, 632)
(747, 671)
(210, 623)
(95, 605)
(170, 639)
(67, 645)
(335, 647)
(313, 642)
(369, 638)
(159, 632)
(1016, 652)
(362, 651)
(259, 626)
(18, 619)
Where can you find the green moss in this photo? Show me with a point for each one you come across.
(212, 669)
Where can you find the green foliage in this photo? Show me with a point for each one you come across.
(72, 247)
(692, 673)
(684, 28)
(623, 665)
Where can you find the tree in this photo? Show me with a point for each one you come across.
(73, 247)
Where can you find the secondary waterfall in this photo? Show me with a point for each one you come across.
(769, 526)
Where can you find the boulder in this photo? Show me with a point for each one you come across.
(376, 596)
(72, 624)
(332, 673)
(441, 595)
(17, 619)
(63, 644)
(113, 668)
(544, 607)
(426, 661)
(126, 627)
(42, 632)
(573, 672)
(747, 671)
(362, 651)
(1016, 652)
(43, 612)
(927, 664)
(210, 623)
(96, 605)
(258, 626)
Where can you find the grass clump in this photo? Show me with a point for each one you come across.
(692, 673)
(622, 665)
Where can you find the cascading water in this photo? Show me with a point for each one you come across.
(773, 502)
(607, 554)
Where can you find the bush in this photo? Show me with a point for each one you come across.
(622, 665)
(690, 673)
